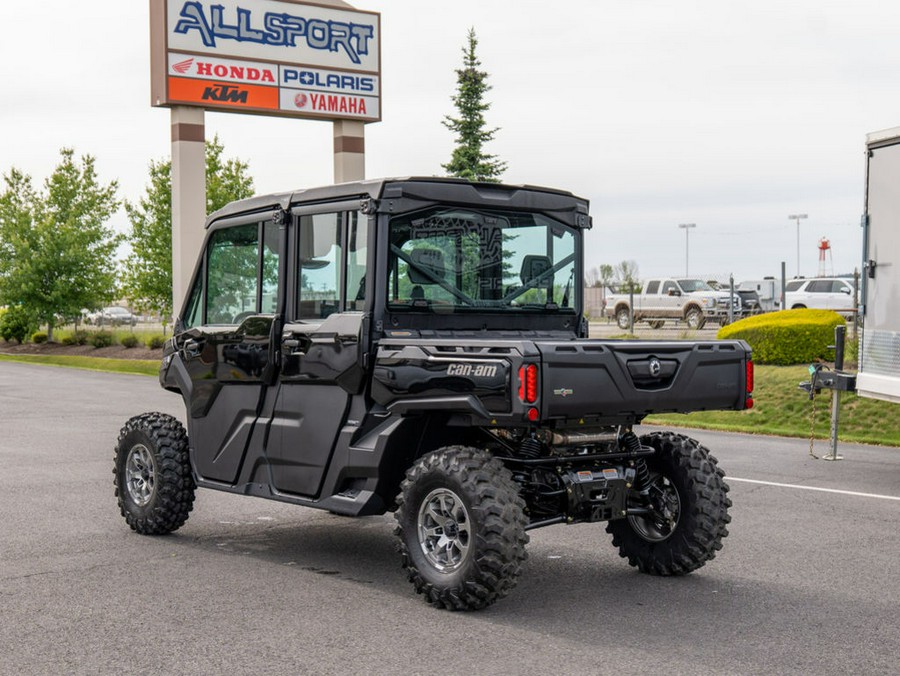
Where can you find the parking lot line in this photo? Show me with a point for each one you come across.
(815, 488)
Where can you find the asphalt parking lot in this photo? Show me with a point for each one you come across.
(808, 581)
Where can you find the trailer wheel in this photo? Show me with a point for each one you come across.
(686, 503)
(461, 528)
(694, 318)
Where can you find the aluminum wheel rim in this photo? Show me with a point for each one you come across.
(140, 475)
(666, 505)
(444, 530)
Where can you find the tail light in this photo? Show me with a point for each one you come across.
(528, 383)
(749, 403)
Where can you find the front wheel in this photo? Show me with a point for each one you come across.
(461, 528)
(695, 319)
(153, 480)
(681, 515)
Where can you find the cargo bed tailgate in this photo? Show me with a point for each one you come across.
(622, 378)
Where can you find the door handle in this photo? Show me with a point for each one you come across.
(294, 346)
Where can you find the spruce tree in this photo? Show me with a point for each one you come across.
(469, 159)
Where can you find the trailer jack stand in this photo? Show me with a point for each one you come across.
(838, 382)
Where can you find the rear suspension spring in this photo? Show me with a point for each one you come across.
(630, 442)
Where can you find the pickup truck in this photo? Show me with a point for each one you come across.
(428, 356)
(690, 300)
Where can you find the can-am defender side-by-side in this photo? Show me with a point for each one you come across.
(418, 346)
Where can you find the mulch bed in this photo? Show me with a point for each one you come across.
(111, 352)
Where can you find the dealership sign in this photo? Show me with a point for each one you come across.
(274, 57)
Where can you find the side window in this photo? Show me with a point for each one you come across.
(319, 285)
(240, 277)
(232, 274)
(793, 285)
(357, 249)
(269, 277)
(819, 286)
(653, 287)
(668, 287)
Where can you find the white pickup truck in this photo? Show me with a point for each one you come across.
(690, 300)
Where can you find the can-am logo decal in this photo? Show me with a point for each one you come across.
(563, 392)
(472, 370)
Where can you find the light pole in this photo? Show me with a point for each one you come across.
(797, 217)
(687, 229)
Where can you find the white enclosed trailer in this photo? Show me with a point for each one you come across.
(879, 364)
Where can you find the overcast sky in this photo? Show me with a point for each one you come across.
(729, 115)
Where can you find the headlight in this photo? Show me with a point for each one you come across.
(710, 302)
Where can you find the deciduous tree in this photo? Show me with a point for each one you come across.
(147, 275)
(58, 247)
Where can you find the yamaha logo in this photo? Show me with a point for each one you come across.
(655, 367)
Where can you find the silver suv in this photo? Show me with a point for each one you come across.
(821, 293)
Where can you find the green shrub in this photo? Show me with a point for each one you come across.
(130, 340)
(16, 324)
(39, 337)
(156, 342)
(76, 338)
(787, 337)
(102, 339)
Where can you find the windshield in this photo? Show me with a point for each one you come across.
(691, 285)
(451, 259)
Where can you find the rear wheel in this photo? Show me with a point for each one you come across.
(798, 306)
(685, 507)
(153, 480)
(622, 318)
(461, 526)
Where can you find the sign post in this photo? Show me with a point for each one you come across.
(289, 58)
(188, 194)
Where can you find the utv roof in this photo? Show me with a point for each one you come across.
(561, 204)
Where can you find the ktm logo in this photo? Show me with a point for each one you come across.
(225, 94)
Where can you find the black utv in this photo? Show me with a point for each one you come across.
(418, 346)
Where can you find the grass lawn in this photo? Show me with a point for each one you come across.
(144, 367)
(782, 408)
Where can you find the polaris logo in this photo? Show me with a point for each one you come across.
(329, 81)
(225, 94)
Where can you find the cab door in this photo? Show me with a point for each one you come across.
(322, 344)
(227, 347)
